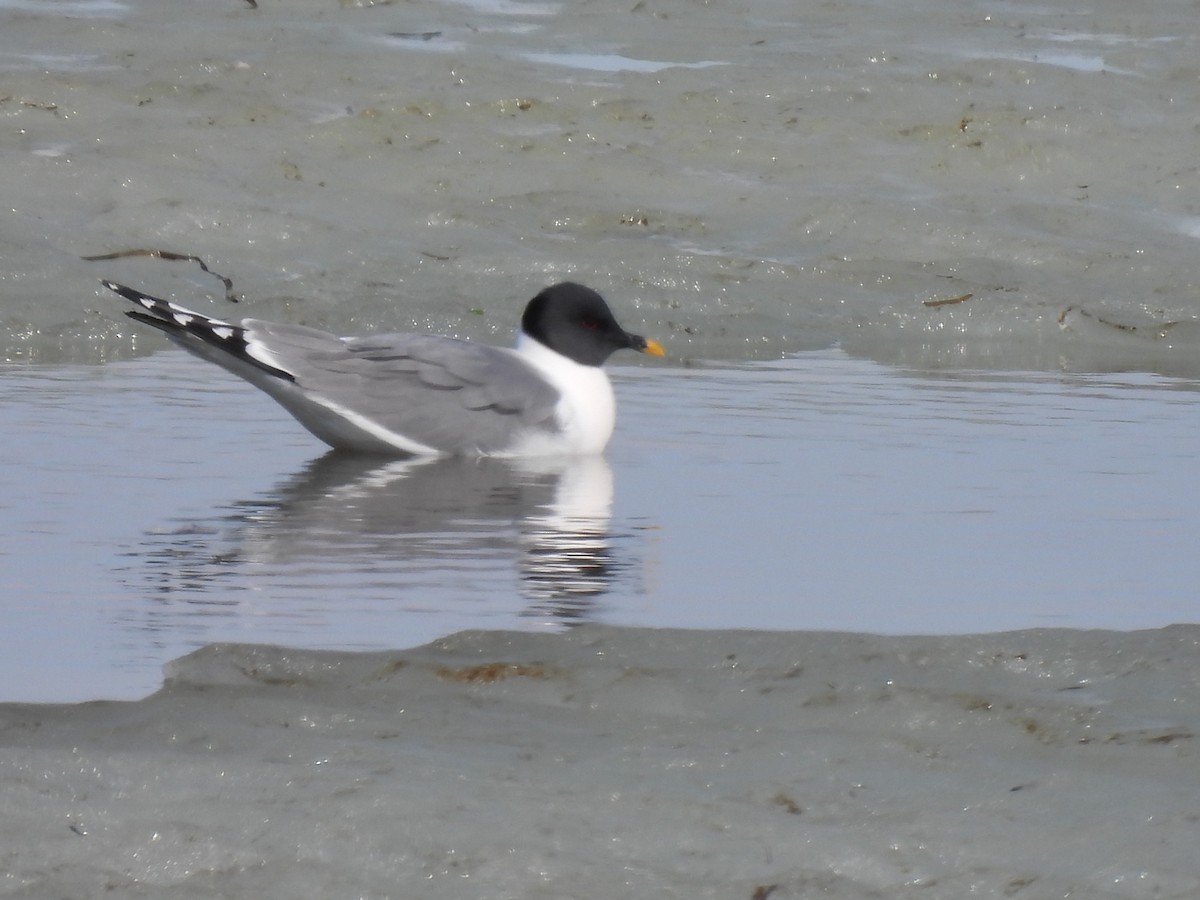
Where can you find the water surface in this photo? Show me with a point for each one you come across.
(157, 505)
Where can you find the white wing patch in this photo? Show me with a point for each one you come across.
(373, 428)
(259, 351)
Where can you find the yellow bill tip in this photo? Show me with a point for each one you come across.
(654, 348)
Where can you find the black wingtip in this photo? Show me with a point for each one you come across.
(164, 325)
(127, 292)
(150, 311)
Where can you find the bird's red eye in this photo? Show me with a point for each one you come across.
(590, 324)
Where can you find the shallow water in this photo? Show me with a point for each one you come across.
(155, 505)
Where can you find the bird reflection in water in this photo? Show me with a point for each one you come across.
(425, 532)
(566, 554)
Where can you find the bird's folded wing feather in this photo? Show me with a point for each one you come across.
(439, 391)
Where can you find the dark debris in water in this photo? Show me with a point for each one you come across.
(947, 301)
(173, 257)
(415, 35)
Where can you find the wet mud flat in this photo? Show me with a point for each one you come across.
(625, 762)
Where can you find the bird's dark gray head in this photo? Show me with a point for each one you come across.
(575, 321)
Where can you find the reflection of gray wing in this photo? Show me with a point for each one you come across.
(441, 393)
(416, 519)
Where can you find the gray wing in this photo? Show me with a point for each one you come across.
(450, 395)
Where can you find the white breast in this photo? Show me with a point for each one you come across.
(587, 411)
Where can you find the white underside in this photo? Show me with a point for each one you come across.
(346, 428)
(587, 412)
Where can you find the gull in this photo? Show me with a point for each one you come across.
(424, 395)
